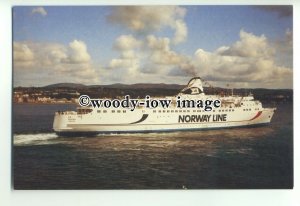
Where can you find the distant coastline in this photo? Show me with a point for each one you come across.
(68, 93)
(65, 103)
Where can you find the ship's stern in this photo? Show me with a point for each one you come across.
(60, 122)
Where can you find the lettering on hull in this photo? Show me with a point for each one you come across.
(202, 118)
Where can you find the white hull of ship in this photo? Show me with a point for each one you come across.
(147, 121)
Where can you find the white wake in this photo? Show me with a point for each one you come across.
(34, 139)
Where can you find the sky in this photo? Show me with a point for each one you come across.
(240, 46)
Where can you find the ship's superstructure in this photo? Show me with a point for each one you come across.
(235, 111)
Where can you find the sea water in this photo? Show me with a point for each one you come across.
(259, 157)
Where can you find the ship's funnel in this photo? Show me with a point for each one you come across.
(194, 86)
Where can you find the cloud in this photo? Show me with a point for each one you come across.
(248, 46)
(142, 53)
(125, 66)
(286, 45)
(250, 60)
(77, 53)
(147, 19)
(180, 31)
(284, 48)
(282, 11)
(151, 55)
(161, 56)
(39, 10)
(160, 52)
(53, 62)
(22, 53)
(289, 37)
(128, 61)
(126, 42)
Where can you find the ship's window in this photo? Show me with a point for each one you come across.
(176, 111)
(183, 110)
(104, 111)
(154, 111)
(226, 110)
(180, 111)
(233, 110)
(159, 111)
(194, 110)
(84, 111)
(172, 111)
(214, 110)
(187, 110)
(119, 111)
(249, 109)
(124, 111)
(112, 111)
(219, 110)
(164, 111)
(168, 111)
(98, 111)
(198, 110)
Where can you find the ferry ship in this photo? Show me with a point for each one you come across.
(235, 111)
